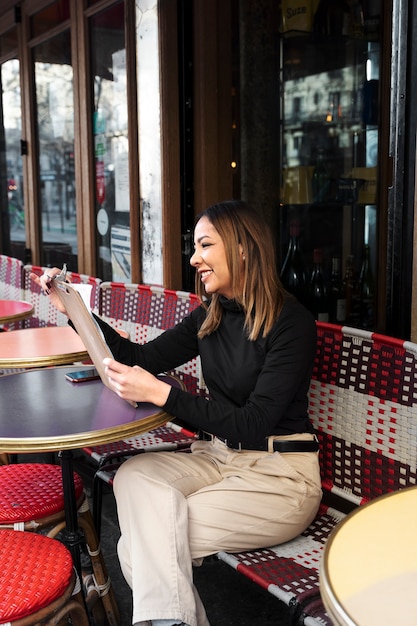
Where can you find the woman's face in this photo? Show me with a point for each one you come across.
(209, 259)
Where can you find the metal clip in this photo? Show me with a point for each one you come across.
(61, 277)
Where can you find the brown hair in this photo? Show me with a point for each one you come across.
(262, 294)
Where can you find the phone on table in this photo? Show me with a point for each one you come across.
(82, 375)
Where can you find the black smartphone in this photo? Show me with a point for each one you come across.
(82, 375)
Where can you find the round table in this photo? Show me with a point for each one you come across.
(368, 574)
(14, 311)
(41, 411)
(39, 347)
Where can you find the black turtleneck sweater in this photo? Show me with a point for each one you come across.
(257, 388)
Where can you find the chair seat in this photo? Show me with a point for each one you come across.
(167, 437)
(34, 571)
(32, 491)
(290, 571)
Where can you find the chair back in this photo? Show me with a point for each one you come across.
(11, 283)
(145, 312)
(45, 314)
(363, 403)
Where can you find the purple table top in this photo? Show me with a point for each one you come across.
(40, 410)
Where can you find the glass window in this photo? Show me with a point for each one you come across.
(149, 119)
(55, 127)
(13, 220)
(108, 54)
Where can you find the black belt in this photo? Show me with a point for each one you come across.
(279, 445)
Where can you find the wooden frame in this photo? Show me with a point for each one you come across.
(213, 174)
(171, 190)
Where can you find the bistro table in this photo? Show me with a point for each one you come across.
(39, 347)
(368, 574)
(41, 411)
(14, 311)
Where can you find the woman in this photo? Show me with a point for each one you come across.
(254, 480)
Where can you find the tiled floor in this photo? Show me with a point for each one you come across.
(230, 599)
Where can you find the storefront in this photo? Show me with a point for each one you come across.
(82, 167)
(121, 120)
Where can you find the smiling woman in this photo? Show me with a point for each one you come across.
(256, 344)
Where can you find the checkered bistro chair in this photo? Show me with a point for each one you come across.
(38, 584)
(11, 284)
(363, 404)
(109, 457)
(45, 314)
(144, 312)
(32, 499)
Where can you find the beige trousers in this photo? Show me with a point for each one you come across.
(175, 508)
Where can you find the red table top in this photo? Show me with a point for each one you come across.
(14, 310)
(37, 347)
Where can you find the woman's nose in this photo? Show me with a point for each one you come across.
(194, 259)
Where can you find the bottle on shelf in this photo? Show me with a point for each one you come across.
(319, 301)
(321, 181)
(293, 274)
(350, 284)
(337, 296)
(367, 292)
(357, 23)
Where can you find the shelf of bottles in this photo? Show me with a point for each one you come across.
(329, 155)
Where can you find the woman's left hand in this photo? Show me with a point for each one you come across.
(136, 384)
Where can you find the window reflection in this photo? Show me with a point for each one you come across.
(55, 125)
(108, 53)
(13, 220)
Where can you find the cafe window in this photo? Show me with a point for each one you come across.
(12, 222)
(55, 134)
(13, 215)
(111, 146)
(80, 118)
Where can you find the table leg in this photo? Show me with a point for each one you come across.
(73, 537)
(72, 534)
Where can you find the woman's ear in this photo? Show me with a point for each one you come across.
(241, 252)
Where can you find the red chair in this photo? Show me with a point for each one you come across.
(37, 581)
(32, 499)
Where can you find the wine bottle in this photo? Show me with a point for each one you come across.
(319, 304)
(337, 297)
(293, 275)
(350, 284)
(321, 181)
(367, 292)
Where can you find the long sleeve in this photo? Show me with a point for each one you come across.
(257, 388)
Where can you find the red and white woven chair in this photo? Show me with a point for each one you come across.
(11, 283)
(144, 312)
(363, 405)
(38, 584)
(45, 314)
(32, 499)
(109, 457)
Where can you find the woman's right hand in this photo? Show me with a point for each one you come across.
(45, 283)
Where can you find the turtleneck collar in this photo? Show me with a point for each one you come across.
(230, 305)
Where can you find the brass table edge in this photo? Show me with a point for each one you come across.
(80, 440)
(37, 361)
(17, 317)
